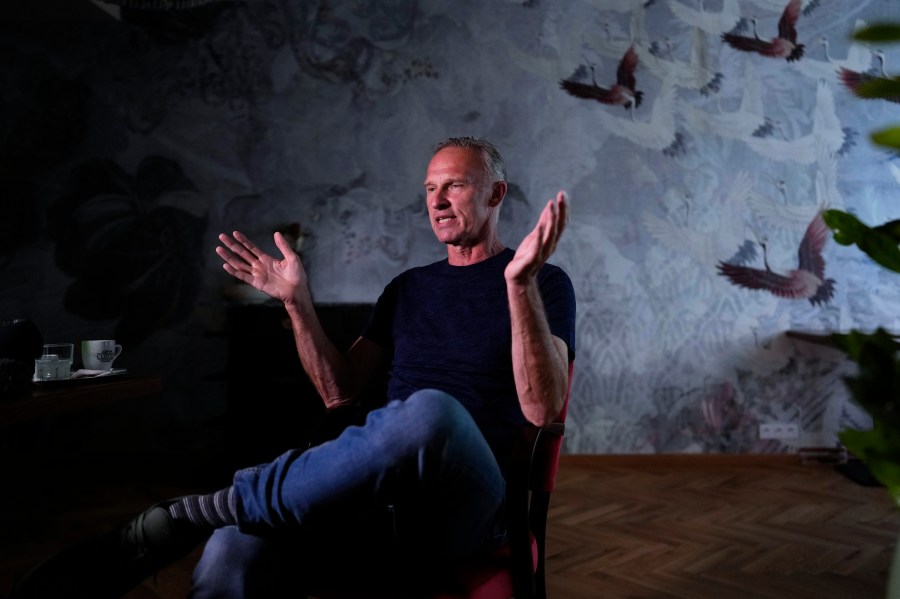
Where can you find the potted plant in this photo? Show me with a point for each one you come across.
(876, 385)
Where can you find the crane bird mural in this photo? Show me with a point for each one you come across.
(807, 281)
(623, 92)
(852, 80)
(784, 45)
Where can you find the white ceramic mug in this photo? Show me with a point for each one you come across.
(98, 354)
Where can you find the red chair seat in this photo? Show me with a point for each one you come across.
(488, 578)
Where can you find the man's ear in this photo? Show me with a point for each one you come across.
(498, 192)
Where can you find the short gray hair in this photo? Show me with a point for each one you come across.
(490, 156)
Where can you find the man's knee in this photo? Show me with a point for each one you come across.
(437, 414)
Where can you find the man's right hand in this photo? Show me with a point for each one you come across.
(280, 279)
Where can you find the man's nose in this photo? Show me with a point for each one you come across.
(439, 200)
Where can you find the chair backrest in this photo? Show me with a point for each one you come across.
(528, 504)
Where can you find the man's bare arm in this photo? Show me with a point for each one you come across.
(540, 360)
(335, 376)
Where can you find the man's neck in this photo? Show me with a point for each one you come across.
(467, 255)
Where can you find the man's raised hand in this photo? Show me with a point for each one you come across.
(243, 260)
(540, 244)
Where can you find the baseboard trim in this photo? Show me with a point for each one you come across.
(682, 459)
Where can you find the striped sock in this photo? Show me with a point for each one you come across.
(206, 511)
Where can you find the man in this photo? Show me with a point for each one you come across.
(478, 344)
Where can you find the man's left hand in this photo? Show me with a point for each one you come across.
(538, 245)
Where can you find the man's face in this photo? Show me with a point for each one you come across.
(460, 197)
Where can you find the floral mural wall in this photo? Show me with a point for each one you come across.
(699, 140)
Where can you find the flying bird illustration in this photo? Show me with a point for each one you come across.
(809, 6)
(748, 120)
(853, 79)
(660, 132)
(827, 132)
(708, 21)
(807, 281)
(698, 73)
(784, 45)
(705, 246)
(858, 58)
(622, 92)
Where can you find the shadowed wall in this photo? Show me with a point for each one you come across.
(130, 139)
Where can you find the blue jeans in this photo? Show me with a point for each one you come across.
(417, 479)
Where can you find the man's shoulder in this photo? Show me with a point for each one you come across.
(423, 269)
(553, 271)
(548, 272)
(417, 273)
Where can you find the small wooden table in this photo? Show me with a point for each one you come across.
(49, 399)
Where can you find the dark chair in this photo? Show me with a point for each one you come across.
(516, 569)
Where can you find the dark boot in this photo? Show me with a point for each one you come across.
(112, 564)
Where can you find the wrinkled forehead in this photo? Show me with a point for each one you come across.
(454, 163)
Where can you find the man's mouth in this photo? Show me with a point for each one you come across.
(443, 219)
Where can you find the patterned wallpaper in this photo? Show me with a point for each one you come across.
(699, 139)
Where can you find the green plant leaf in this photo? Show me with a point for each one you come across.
(847, 228)
(852, 343)
(876, 386)
(879, 88)
(879, 33)
(887, 137)
(877, 244)
(879, 450)
(891, 229)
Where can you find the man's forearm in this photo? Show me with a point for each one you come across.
(325, 366)
(539, 359)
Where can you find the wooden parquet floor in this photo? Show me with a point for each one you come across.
(621, 527)
(716, 527)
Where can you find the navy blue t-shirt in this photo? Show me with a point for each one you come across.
(448, 327)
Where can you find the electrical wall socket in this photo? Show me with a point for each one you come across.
(779, 430)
